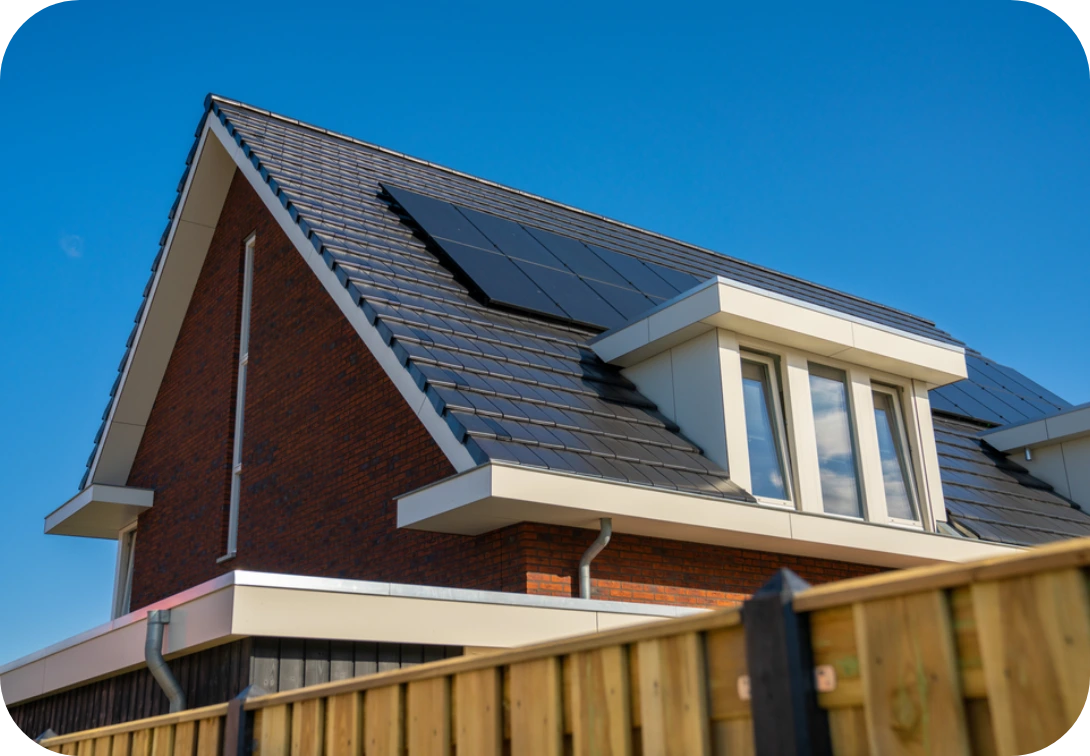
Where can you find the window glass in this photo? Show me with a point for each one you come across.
(895, 471)
(762, 430)
(835, 445)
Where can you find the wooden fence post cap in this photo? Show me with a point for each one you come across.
(785, 584)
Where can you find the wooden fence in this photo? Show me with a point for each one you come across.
(990, 657)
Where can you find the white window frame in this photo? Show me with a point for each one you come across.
(898, 396)
(240, 399)
(860, 458)
(779, 426)
(800, 440)
(123, 571)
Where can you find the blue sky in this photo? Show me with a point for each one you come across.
(928, 155)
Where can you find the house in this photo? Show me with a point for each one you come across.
(375, 412)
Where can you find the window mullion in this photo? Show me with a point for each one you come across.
(800, 420)
(866, 441)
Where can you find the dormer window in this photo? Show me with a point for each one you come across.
(805, 407)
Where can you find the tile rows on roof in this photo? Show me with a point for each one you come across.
(329, 167)
(996, 499)
(513, 388)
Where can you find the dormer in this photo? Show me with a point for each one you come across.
(808, 408)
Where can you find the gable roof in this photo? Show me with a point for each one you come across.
(508, 386)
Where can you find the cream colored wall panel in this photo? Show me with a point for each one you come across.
(1077, 458)
(1048, 464)
(654, 378)
(698, 395)
(306, 614)
(734, 410)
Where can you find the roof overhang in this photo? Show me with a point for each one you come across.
(248, 604)
(99, 511)
(750, 311)
(494, 496)
(1054, 429)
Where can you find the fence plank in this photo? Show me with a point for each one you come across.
(848, 731)
(968, 643)
(121, 744)
(673, 697)
(981, 731)
(832, 637)
(537, 727)
(726, 653)
(162, 741)
(185, 739)
(86, 748)
(101, 746)
(272, 731)
(478, 705)
(383, 721)
(427, 704)
(307, 727)
(910, 676)
(733, 737)
(600, 705)
(1035, 643)
(344, 724)
(141, 743)
(208, 736)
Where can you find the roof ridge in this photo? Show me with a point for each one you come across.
(555, 203)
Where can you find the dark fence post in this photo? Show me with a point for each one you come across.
(238, 728)
(783, 697)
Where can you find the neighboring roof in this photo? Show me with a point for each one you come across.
(996, 499)
(510, 386)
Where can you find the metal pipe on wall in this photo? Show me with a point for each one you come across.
(157, 665)
(588, 556)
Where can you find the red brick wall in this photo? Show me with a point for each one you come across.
(635, 568)
(329, 442)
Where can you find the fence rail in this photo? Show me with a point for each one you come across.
(990, 657)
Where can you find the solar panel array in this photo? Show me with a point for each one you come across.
(996, 394)
(527, 268)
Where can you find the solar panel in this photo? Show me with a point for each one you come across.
(513, 239)
(576, 298)
(499, 279)
(577, 257)
(677, 279)
(628, 302)
(518, 266)
(640, 277)
(441, 220)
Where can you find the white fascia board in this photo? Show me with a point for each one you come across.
(417, 400)
(246, 604)
(172, 287)
(99, 511)
(1066, 425)
(757, 313)
(495, 496)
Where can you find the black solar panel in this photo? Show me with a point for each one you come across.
(499, 279)
(441, 220)
(515, 265)
(996, 394)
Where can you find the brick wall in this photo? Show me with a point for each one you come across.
(635, 568)
(329, 443)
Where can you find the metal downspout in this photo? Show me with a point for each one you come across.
(157, 665)
(595, 549)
